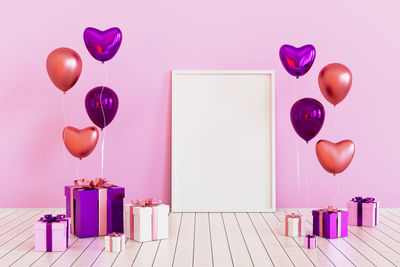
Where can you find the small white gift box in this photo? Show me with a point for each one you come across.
(114, 242)
(146, 220)
(294, 225)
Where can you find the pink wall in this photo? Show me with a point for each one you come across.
(162, 35)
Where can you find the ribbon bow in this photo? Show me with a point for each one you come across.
(310, 236)
(330, 209)
(114, 234)
(148, 202)
(48, 218)
(363, 200)
(293, 215)
(96, 183)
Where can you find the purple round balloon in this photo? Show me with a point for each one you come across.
(307, 116)
(95, 99)
(297, 61)
(102, 45)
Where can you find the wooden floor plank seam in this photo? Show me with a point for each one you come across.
(301, 248)
(227, 239)
(273, 232)
(258, 234)
(244, 240)
(211, 246)
(176, 244)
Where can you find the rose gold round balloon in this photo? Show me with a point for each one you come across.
(335, 158)
(334, 81)
(64, 67)
(80, 143)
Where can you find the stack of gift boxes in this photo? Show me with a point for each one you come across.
(96, 208)
(332, 223)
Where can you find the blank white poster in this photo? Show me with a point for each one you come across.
(223, 141)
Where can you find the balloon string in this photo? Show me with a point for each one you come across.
(104, 120)
(337, 191)
(298, 163)
(295, 140)
(65, 125)
(102, 152)
(77, 169)
(307, 186)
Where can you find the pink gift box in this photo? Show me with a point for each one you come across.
(53, 236)
(310, 241)
(363, 213)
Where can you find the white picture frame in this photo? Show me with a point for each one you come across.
(223, 141)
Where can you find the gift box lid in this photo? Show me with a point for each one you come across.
(316, 212)
(39, 225)
(354, 204)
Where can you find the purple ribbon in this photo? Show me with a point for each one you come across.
(360, 201)
(309, 240)
(49, 219)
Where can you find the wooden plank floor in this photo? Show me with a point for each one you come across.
(209, 239)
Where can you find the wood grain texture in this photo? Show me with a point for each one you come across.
(209, 239)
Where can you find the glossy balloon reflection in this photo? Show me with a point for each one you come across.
(297, 61)
(307, 116)
(101, 105)
(64, 67)
(335, 158)
(334, 81)
(80, 143)
(102, 45)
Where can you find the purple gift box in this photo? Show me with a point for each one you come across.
(330, 223)
(95, 211)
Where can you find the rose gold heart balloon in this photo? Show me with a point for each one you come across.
(335, 158)
(334, 81)
(80, 143)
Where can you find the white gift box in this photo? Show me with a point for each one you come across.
(294, 225)
(146, 223)
(114, 243)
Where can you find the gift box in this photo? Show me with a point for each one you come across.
(114, 242)
(52, 233)
(310, 241)
(363, 211)
(146, 220)
(330, 223)
(294, 225)
(95, 207)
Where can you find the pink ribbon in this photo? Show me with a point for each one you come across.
(321, 212)
(148, 202)
(96, 183)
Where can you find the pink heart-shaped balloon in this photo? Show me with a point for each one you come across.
(335, 158)
(80, 143)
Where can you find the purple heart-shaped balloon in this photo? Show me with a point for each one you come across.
(102, 45)
(297, 61)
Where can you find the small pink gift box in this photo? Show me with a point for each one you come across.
(363, 211)
(52, 233)
(310, 241)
